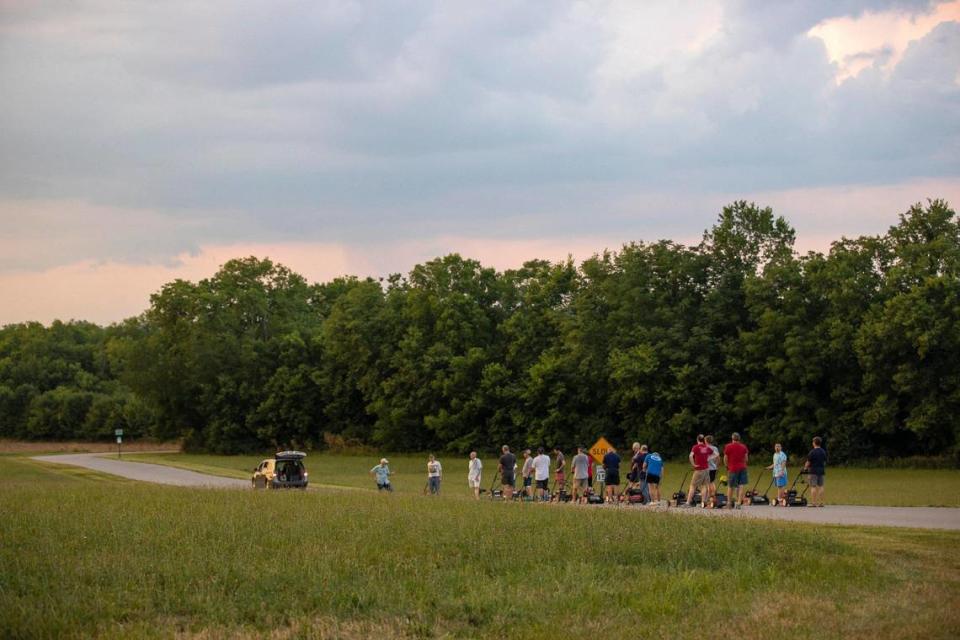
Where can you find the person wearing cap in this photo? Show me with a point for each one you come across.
(382, 473)
(474, 469)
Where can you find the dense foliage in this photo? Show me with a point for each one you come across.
(654, 342)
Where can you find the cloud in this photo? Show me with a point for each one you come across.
(108, 291)
(366, 126)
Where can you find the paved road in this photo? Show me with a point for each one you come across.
(143, 471)
(919, 517)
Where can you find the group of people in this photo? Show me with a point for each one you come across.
(646, 469)
(705, 457)
(643, 478)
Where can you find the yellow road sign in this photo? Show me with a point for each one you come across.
(600, 448)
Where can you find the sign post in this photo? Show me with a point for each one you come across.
(119, 434)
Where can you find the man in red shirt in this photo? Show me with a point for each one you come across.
(735, 456)
(700, 460)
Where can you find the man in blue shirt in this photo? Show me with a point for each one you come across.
(611, 465)
(382, 473)
(653, 465)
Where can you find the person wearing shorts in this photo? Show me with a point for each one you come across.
(527, 474)
(507, 465)
(580, 466)
(541, 473)
(653, 467)
(816, 467)
(712, 464)
(700, 461)
(736, 456)
(560, 470)
(779, 468)
(474, 470)
(611, 468)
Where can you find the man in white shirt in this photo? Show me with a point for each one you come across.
(541, 472)
(474, 469)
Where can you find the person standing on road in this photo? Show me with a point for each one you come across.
(560, 471)
(382, 474)
(735, 456)
(580, 465)
(636, 464)
(611, 467)
(779, 468)
(541, 473)
(816, 466)
(434, 473)
(507, 465)
(712, 467)
(639, 459)
(474, 471)
(653, 468)
(700, 461)
(527, 474)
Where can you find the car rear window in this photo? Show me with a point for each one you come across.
(290, 469)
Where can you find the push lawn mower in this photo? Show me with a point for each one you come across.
(594, 497)
(495, 494)
(793, 499)
(637, 495)
(756, 498)
(680, 496)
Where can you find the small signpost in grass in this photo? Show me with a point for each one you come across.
(119, 434)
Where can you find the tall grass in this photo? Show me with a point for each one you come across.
(81, 556)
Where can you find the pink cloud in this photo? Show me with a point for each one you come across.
(853, 42)
(110, 291)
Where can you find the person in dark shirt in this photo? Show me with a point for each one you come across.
(508, 464)
(816, 467)
(637, 475)
(611, 465)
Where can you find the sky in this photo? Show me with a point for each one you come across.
(142, 142)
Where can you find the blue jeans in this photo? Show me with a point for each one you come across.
(434, 484)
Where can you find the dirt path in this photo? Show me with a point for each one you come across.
(144, 472)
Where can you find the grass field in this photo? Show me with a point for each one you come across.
(875, 487)
(83, 555)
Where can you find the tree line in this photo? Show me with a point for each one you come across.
(655, 342)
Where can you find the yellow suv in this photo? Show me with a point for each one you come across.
(283, 471)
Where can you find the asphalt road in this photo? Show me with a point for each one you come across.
(916, 517)
(144, 472)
